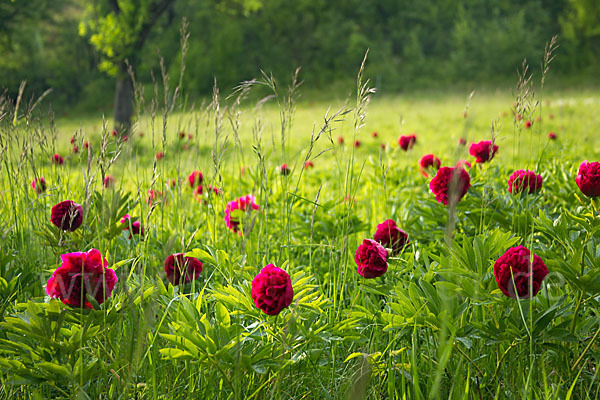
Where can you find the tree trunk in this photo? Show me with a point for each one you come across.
(123, 101)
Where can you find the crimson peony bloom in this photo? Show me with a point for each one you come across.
(173, 183)
(86, 144)
(463, 164)
(308, 164)
(75, 149)
(428, 161)
(551, 135)
(67, 215)
(160, 155)
(407, 142)
(136, 226)
(72, 139)
(588, 178)
(82, 274)
(57, 159)
(371, 259)
(39, 185)
(195, 178)
(109, 181)
(272, 290)
(153, 194)
(450, 183)
(374, 134)
(522, 180)
(181, 135)
(236, 207)
(114, 132)
(180, 269)
(357, 143)
(285, 170)
(390, 236)
(528, 124)
(462, 141)
(483, 151)
(125, 138)
(383, 146)
(518, 264)
(341, 140)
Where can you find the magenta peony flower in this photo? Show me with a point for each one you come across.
(72, 139)
(483, 151)
(237, 206)
(552, 136)
(86, 144)
(109, 181)
(462, 141)
(450, 184)
(516, 264)
(82, 274)
(528, 124)
(181, 135)
(588, 178)
(340, 140)
(195, 179)
(308, 164)
(390, 236)
(136, 226)
(374, 134)
(39, 185)
(357, 143)
(522, 180)
(428, 161)
(180, 269)
(371, 259)
(272, 290)
(285, 170)
(67, 215)
(160, 155)
(114, 133)
(57, 159)
(75, 149)
(407, 142)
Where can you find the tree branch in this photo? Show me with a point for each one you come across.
(156, 10)
(115, 6)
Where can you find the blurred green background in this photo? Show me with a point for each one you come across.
(414, 45)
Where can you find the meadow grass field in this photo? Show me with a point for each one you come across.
(435, 321)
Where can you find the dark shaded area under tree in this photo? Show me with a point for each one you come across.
(424, 44)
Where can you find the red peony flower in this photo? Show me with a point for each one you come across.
(125, 138)
(160, 155)
(428, 161)
(181, 135)
(552, 136)
(114, 132)
(173, 183)
(463, 164)
(390, 236)
(272, 290)
(483, 151)
(195, 179)
(462, 141)
(75, 149)
(522, 180)
(341, 140)
(374, 134)
(588, 178)
(82, 274)
(308, 164)
(238, 206)
(67, 215)
(383, 146)
(39, 185)
(357, 143)
(180, 269)
(516, 264)
(154, 194)
(141, 134)
(72, 139)
(528, 124)
(284, 170)
(86, 144)
(190, 136)
(450, 183)
(136, 226)
(57, 159)
(371, 259)
(109, 181)
(407, 142)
